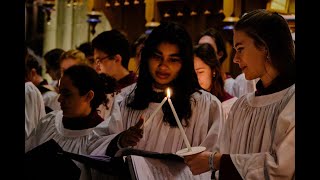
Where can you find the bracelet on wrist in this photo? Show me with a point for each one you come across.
(211, 165)
(211, 161)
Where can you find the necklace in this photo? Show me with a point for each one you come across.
(157, 89)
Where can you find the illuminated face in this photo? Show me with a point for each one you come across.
(165, 64)
(204, 73)
(72, 104)
(251, 59)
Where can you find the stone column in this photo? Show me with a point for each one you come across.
(50, 28)
(64, 25)
(80, 25)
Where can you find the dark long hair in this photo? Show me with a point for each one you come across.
(207, 54)
(185, 84)
(271, 30)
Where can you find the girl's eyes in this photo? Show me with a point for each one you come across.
(175, 59)
(239, 50)
(156, 56)
(159, 57)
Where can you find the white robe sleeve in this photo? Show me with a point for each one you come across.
(50, 99)
(217, 119)
(242, 86)
(228, 85)
(280, 162)
(34, 107)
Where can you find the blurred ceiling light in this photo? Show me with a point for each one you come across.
(179, 14)
(126, 3)
(107, 4)
(116, 3)
(193, 13)
(166, 15)
(207, 12)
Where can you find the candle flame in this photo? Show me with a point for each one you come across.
(168, 93)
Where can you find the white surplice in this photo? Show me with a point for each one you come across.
(259, 135)
(226, 106)
(228, 85)
(203, 127)
(243, 86)
(75, 141)
(34, 107)
(50, 99)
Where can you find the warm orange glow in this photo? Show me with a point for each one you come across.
(168, 93)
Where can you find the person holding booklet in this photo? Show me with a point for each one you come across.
(77, 127)
(258, 139)
(166, 62)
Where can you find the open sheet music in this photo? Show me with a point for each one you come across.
(151, 154)
(147, 165)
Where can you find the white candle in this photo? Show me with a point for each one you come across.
(155, 111)
(178, 122)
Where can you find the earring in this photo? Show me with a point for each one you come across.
(268, 58)
(214, 74)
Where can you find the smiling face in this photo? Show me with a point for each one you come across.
(250, 58)
(72, 103)
(165, 64)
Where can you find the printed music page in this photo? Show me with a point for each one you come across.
(145, 168)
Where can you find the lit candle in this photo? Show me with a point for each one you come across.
(178, 121)
(155, 111)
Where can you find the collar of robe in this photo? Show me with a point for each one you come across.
(278, 84)
(90, 121)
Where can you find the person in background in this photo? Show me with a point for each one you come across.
(258, 138)
(215, 39)
(209, 73)
(112, 54)
(77, 126)
(33, 74)
(87, 49)
(70, 58)
(34, 105)
(51, 59)
(136, 49)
